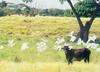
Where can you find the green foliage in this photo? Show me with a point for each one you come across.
(26, 11)
(68, 12)
(18, 11)
(5, 11)
(55, 12)
(85, 8)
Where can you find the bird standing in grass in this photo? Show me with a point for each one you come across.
(24, 46)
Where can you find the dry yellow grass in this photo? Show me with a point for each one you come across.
(36, 26)
(48, 67)
(40, 25)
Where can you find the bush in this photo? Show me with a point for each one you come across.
(5, 11)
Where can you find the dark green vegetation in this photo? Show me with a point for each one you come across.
(86, 8)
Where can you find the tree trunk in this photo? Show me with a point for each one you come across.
(84, 30)
(83, 34)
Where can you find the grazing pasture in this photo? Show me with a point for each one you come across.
(32, 44)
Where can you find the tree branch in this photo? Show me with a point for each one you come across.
(89, 23)
(76, 14)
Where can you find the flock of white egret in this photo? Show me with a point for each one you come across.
(42, 44)
(89, 44)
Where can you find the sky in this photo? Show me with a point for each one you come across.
(45, 3)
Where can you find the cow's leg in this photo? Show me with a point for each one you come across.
(70, 61)
(88, 56)
(86, 59)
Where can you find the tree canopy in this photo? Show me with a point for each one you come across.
(85, 7)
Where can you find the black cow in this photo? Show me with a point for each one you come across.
(77, 54)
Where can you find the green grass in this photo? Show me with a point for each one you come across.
(31, 30)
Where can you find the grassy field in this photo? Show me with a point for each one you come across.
(31, 29)
(48, 67)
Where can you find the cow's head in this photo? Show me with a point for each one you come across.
(66, 48)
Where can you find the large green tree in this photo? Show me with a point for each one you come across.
(5, 11)
(84, 28)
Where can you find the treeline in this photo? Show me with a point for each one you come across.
(41, 12)
(83, 8)
(55, 12)
(10, 10)
(22, 9)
